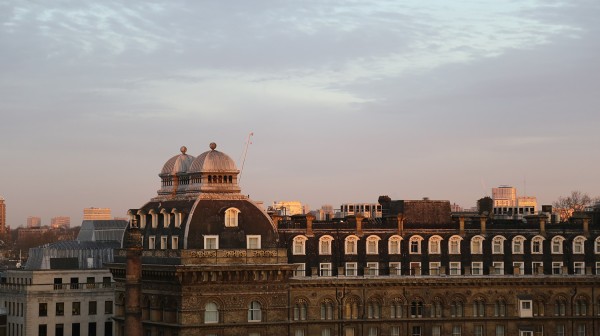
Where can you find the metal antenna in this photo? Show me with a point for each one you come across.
(248, 142)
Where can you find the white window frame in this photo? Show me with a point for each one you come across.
(434, 268)
(231, 217)
(164, 240)
(372, 268)
(477, 265)
(535, 265)
(300, 271)
(540, 240)
(434, 245)
(498, 267)
(154, 216)
(525, 308)
(394, 245)
(557, 244)
(325, 243)
(415, 263)
(211, 316)
(325, 270)
(454, 244)
(208, 239)
(455, 268)
(521, 266)
(597, 245)
(250, 239)
(174, 242)
(151, 242)
(351, 245)
(477, 245)
(498, 245)
(557, 265)
(395, 268)
(351, 269)
(417, 243)
(579, 267)
(456, 330)
(299, 245)
(518, 245)
(579, 245)
(373, 244)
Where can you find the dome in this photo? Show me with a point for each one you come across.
(213, 161)
(178, 163)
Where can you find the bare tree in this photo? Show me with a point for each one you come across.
(565, 206)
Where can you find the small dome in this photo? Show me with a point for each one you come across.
(178, 163)
(213, 161)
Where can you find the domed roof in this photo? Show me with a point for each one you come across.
(178, 163)
(213, 161)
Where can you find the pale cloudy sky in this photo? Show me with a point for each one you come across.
(348, 100)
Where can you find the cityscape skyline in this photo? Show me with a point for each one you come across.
(358, 100)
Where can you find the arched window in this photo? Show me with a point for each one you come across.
(327, 309)
(231, 217)
(557, 244)
(517, 244)
(394, 244)
(434, 245)
(578, 244)
(560, 306)
(457, 308)
(415, 244)
(416, 308)
(373, 309)
(351, 309)
(454, 244)
(479, 307)
(350, 245)
(254, 312)
(154, 217)
(537, 245)
(373, 244)
(498, 245)
(299, 245)
(581, 305)
(436, 308)
(500, 308)
(538, 307)
(325, 245)
(300, 310)
(477, 245)
(211, 313)
(396, 308)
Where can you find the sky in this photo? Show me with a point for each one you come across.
(347, 100)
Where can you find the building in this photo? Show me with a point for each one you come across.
(203, 259)
(367, 210)
(288, 208)
(60, 222)
(34, 222)
(96, 214)
(3, 227)
(63, 288)
(508, 205)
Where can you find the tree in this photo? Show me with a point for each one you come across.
(566, 206)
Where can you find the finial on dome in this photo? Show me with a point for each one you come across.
(213, 145)
(183, 149)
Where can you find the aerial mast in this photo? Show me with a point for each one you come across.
(248, 142)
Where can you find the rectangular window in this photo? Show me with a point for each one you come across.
(42, 330)
(351, 269)
(211, 242)
(75, 329)
(499, 330)
(372, 268)
(108, 328)
(60, 309)
(89, 282)
(434, 268)
(300, 271)
(436, 331)
(455, 268)
(59, 329)
(92, 308)
(560, 330)
(477, 268)
(498, 267)
(557, 267)
(537, 267)
(299, 332)
(92, 329)
(395, 331)
(581, 330)
(325, 269)
(371, 246)
(497, 247)
(579, 268)
(415, 247)
(396, 269)
(454, 247)
(151, 242)
(536, 246)
(597, 267)
(174, 243)
(326, 332)
(43, 309)
(415, 268)
(394, 247)
(519, 268)
(76, 308)
(416, 331)
(456, 330)
(478, 330)
(373, 331)
(163, 242)
(253, 242)
(108, 307)
(525, 308)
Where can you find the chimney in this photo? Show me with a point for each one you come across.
(461, 224)
(309, 222)
(586, 227)
(359, 219)
(542, 225)
(400, 219)
(482, 223)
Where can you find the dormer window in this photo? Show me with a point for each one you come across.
(434, 245)
(394, 244)
(517, 244)
(373, 245)
(325, 245)
(350, 246)
(578, 245)
(454, 245)
(557, 244)
(299, 245)
(498, 245)
(231, 217)
(253, 242)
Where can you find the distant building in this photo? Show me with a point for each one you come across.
(34, 222)
(60, 222)
(367, 210)
(325, 213)
(508, 205)
(96, 213)
(289, 208)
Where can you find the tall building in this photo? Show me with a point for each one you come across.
(96, 214)
(34, 222)
(204, 259)
(2, 217)
(508, 204)
(288, 208)
(59, 222)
